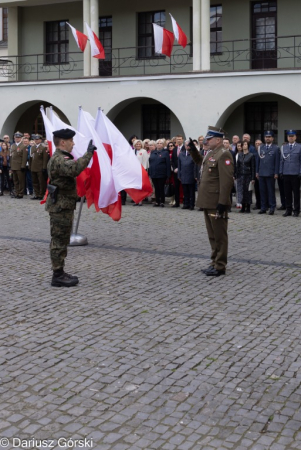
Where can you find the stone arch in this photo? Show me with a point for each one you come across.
(23, 116)
(130, 109)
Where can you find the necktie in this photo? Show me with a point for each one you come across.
(291, 146)
(267, 147)
(179, 149)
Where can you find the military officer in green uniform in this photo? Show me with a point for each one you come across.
(18, 160)
(38, 167)
(61, 201)
(216, 182)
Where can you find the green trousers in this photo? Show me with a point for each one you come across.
(60, 230)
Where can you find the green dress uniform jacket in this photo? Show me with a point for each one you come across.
(216, 178)
(18, 160)
(62, 172)
(18, 156)
(215, 188)
(38, 158)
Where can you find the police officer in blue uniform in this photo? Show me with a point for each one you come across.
(268, 171)
(290, 170)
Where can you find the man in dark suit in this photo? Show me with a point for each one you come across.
(179, 147)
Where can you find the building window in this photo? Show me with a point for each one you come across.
(3, 27)
(57, 42)
(259, 117)
(264, 7)
(216, 33)
(156, 121)
(145, 32)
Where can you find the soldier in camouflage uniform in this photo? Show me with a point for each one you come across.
(62, 172)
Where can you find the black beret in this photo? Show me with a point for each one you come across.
(64, 134)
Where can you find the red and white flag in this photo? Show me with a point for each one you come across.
(178, 32)
(80, 38)
(97, 49)
(128, 173)
(102, 187)
(81, 143)
(164, 40)
(48, 131)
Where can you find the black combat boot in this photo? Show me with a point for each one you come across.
(62, 279)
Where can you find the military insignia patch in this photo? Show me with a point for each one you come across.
(227, 162)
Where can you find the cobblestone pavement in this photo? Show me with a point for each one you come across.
(147, 352)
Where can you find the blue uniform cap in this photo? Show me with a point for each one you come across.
(214, 132)
(269, 133)
(291, 133)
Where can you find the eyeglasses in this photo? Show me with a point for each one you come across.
(170, 145)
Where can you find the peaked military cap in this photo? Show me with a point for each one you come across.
(269, 133)
(18, 134)
(37, 136)
(291, 132)
(214, 132)
(64, 133)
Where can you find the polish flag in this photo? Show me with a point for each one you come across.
(101, 184)
(178, 32)
(96, 46)
(164, 40)
(80, 38)
(128, 173)
(81, 143)
(49, 136)
(48, 130)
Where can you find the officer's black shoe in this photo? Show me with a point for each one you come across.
(185, 207)
(215, 273)
(287, 213)
(34, 198)
(255, 207)
(271, 212)
(62, 279)
(1, 193)
(281, 208)
(209, 269)
(262, 211)
(296, 214)
(176, 205)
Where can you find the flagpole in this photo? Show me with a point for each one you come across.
(75, 238)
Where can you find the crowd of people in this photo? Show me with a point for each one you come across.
(256, 168)
(173, 173)
(23, 165)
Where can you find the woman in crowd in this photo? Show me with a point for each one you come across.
(145, 145)
(5, 171)
(159, 169)
(170, 147)
(245, 175)
(142, 156)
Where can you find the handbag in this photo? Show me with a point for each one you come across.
(169, 190)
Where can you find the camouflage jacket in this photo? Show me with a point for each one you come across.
(62, 172)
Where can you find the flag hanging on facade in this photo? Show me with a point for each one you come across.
(179, 33)
(164, 40)
(97, 49)
(80, 38)
(128, 173)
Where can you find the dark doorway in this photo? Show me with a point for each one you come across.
(156, 122)
(260, 117)
(105, 37)
(264, 35)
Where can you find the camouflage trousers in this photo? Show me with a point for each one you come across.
(60, 230)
